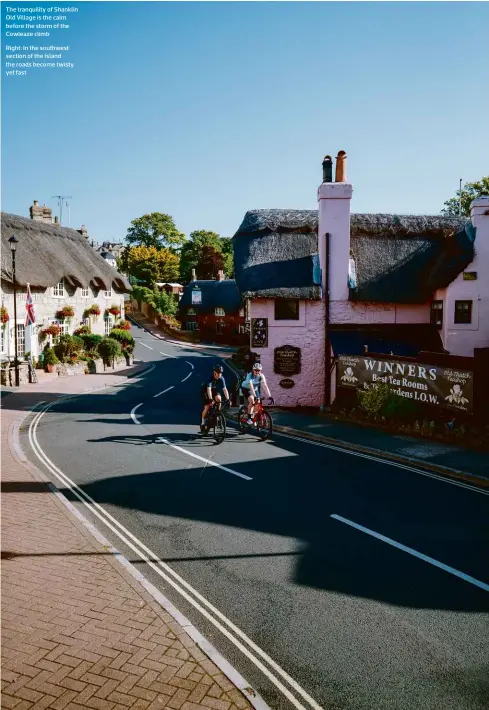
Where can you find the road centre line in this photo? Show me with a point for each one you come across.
(415, 553)
(186, 378)
(201, 458)
(145, 346)
(164, 571)
(167, 390)
(189, 363)
(172, 356)
(133, 413)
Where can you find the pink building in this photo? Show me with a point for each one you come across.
(396, 284)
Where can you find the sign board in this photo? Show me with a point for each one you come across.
(470, 275)
(32, 372)
(441, 387)
(197, 296)
(287, 360)
(286, 383)
(259, 332)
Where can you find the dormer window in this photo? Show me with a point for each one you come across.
(59, 290)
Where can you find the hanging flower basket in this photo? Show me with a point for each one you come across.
(65, 312)
(53, 329)
(114, 310)
(4, 316)
(94, 310)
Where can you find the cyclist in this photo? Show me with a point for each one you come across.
(252, 388)
(211, 392)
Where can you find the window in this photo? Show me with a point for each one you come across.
(20, 339)
(108, 325)
(63, 324)
(86, 322)
(192, 325)
(59, 290)
(287, 309)
(463, 312)
(85, 293)
(220, 326)
(191, 312)
(437, 313)
(108, 294)
(220, 311)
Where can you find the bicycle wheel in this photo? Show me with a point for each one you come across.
(264, 426)
(242, 412)
(219, 428)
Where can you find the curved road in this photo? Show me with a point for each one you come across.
(346, 612)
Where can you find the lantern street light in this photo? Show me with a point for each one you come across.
(13, 241)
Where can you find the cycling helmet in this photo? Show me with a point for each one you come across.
(257, 366)
(218, 368)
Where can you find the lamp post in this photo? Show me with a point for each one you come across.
(13, 241)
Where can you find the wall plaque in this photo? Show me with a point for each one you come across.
(287, 360)
(259, 332)
(286, 383)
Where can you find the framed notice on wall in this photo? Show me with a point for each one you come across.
(259, 332)
(196, 296)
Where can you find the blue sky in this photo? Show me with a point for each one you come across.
(205, 110)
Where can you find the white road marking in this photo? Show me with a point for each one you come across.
(201, 458)
(167, 390)
(164, 571)
(133, 413)
(189, 363)
(415, 553)
(144, 345)
(166, 355)
(186, 378)
(387, 462)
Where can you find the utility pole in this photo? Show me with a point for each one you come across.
(60, 199)
(460, 198)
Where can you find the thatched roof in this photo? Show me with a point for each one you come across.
(214, 293)
(275, 255)
(48, 253)
(405, 259)
(398, 258)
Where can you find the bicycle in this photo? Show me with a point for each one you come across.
(262, 420)
(216, 421)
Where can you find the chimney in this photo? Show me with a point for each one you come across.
(341, 167)
(327, 169)
(40, 214)
(194, 275)
(56, 220)
(220, 275)
(83, 231)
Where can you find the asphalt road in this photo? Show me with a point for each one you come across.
(356, 621)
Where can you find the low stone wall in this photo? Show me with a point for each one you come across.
(8, 374)
(68, 370)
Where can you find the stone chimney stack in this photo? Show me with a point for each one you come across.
(41, 214)
(220, 275)
(56, 220)
(341, 167)
(194, 275)
(83, 231)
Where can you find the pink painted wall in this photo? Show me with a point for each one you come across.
(306, 333)
(350, 312)
(458, 338)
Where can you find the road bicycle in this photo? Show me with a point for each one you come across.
(215, 422)
(262, 421)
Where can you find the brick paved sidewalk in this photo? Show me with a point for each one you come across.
(78, 631)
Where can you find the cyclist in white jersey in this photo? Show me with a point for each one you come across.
(253, 386)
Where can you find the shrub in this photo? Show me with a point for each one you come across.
(172, 322)
(4, 316)
(124, 338)
(109, 348)
(67, 346)
(50, 357)
(373, 400)
(123, 325)
(82, 330)
(90, 341)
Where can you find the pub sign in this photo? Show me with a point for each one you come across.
(287, 360)
(259, 332)
(442, 387)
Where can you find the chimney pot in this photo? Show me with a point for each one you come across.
(327, 169)
(341, 167)
(194, 275)
(36, 202)
(220, 275)
(56, 220)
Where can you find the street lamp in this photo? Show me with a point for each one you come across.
(13, 241)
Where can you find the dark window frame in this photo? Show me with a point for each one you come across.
(282, 304)
(220, 327)
(436, 313)
(462, 315)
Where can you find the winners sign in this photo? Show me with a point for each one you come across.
(439, 386)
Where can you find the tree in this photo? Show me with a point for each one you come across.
(211, 261)
(151, 264)
(469, 192)
(192, 254)
(228, 254)
(155, 230)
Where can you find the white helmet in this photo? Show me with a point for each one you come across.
(257, 366)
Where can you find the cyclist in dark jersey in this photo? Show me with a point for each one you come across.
(211, 392)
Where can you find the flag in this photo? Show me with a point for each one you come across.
(30, 318)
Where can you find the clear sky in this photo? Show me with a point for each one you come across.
(205, 110)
